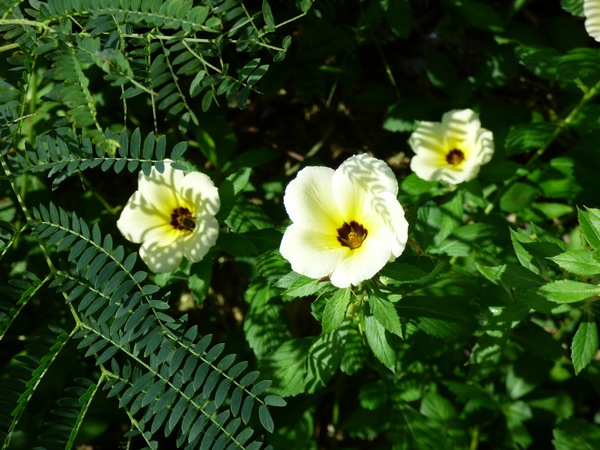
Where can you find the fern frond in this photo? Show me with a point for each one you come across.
(172, 14)
(29, 369)
(69, 415)
(171, 375)
(23, 290)
(68, 67)
(65, 154)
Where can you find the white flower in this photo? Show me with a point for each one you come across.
(172, 216)
(453, 150)
(591, 11)
(347, 224)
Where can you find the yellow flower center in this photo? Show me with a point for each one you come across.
(351, 235)
(455, 156)
(182, 219)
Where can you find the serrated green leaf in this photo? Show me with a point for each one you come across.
(574, 7)
(576, 434)
(589, 221)
(518, 196)
(585, 343)
(286, 367)
(335, 310)
(579, 262)
(568, 291)
(527, 137)
(385, 313)
(377, 340)
(323, 360)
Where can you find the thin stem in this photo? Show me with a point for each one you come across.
(561, 126)
(285, 22)
(25, 210)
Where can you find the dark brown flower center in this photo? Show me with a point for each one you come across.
(351, 235)
(182, 219)
(455, 157)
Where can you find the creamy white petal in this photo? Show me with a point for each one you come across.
(311, 253)
(429, 136)
(459, 130)
(202, 239)
(427, 165)
(357, 180)
(361, 264)
(371, 174)
(162, 256)
(148, 215)
(309, 200)
(591, 11)
(391, 226)
(199, 191)
(141, 220)
(485, 143)
(461, 126)
(161, 190)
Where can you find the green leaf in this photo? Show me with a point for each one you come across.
(416, 270)
(580, 64)
(589, 221)
(286, 367)
(541, 61)
(398, 15)
(518, 196)
(585, 342)
(574, 7)
(445, 318)
(579, 262)
(480, 15)
(527, 137)
(335, 310)
(385, 313)
(323, 360)
(568, 291)
(305, 5)
(576, 434)
(303, 286)
(377, 340)
(268, 16)
(441, 70)
(265, 418)
(355, 351)
(437, 407)
(404, 115)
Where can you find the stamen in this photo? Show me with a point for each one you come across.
(182, 219)
(455, 157)
(352, 235)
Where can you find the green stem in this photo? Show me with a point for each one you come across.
(561, 126)
(474, 439)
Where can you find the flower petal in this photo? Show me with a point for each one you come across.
(361, 264)
(591, 11)
(373, 174)
(391, 226)
(357, 180)
(309, 200)
(311, 253)
(433, 142)
(161, 190)
(141, 220)
(161, 255)
(200, 193)
(204, 237)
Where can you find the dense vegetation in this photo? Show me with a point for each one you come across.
(481, 334)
